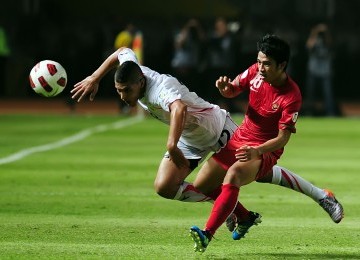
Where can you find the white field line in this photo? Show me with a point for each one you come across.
(69, 140)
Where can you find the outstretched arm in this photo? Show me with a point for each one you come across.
(225, 87)
(90, 85)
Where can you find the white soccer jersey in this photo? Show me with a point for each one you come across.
(204, 121)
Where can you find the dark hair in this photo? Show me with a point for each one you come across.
(127, 72)
(274, 47)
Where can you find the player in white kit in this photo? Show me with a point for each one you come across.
(197, 128)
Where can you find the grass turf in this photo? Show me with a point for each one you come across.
(93, 199)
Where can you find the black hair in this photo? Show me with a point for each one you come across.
(274, 47)
(128, 72)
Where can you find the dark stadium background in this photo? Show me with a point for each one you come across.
(80, 34)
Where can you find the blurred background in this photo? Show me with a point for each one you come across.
(197, 41)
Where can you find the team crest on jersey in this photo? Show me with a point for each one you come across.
(162, 95)
(295, 117)
(275, 106)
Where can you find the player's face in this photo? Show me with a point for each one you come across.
(131, 92)
(269, 69)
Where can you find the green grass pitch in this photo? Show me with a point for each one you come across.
(93, 198)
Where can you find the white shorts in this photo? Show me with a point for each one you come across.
(193, 153)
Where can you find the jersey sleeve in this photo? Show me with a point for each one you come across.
(290, 115)
(127, 55)
(242, 81)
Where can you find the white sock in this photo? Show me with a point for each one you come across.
(188, 193)
(288, 179)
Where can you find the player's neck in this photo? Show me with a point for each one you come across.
(280, 81)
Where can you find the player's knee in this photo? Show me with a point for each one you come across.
(163, 190)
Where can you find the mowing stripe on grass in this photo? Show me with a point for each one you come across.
(69, 140)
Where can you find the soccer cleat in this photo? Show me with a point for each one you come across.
(330, 204)
(201, 238)
(243, 227)
(231, 222)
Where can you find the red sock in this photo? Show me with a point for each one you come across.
(242, 214)
(222, 208)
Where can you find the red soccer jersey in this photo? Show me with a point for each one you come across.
(270, 108)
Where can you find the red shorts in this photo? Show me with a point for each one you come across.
(226, 157)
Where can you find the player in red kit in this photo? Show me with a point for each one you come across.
(257, 144)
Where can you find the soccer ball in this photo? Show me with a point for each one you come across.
(48, 78)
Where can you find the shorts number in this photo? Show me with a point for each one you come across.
(224, 138)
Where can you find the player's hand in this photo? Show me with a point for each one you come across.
(247, 153)
(179, 159)
(85, 87)
(223, 83)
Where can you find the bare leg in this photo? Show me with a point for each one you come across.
(170, 184)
